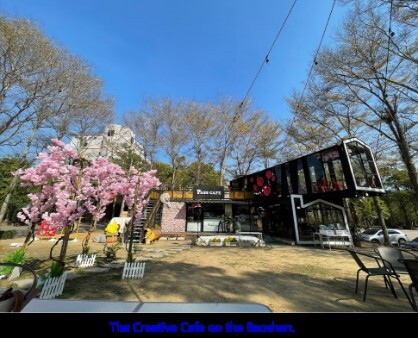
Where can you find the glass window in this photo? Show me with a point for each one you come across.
(320, 216)
(265, 183)
(370, 231)
(339, 183)
(333, 170)
(301, 178)
(364, 167)
(278, 175)
(288, 178)
(316, 170)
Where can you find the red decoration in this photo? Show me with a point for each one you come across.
(260, 181)
(266, 191)
(268, 174)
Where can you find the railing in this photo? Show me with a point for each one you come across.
(183, 195)
(151, 217)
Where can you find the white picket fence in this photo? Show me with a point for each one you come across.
(133, 270)
(85, 261)
(53, 287)
(15, 273)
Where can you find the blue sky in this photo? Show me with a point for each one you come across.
(187, 49)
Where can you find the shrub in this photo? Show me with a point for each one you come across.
(230, 239)
(57, 269)
(19, 256)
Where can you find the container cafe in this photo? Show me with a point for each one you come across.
(294, 201)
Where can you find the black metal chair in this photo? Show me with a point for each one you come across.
(395, 257)
(412, 267)
(378, 270)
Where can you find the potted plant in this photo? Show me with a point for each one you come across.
(110, 250)
(215, 242)
(230, 241)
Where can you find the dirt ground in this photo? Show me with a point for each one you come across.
(283, 277)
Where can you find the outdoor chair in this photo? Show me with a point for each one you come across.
(393, 260)
(395, 257)
(412, 267)
(378, 270)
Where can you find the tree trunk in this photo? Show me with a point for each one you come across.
(63, 252)
(130, 257)
(199, 169)
(346, 203)
(405, 213)
(405, 151)
(221, 171)
(6, 200)
(173, 178)
(31, 230)
(381, 220)
(85, 244)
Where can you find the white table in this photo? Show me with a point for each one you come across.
(66, 305)
(328, 239)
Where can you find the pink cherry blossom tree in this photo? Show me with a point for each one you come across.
(67, 187)
(102, 182)
(139, 185)
(54, 181)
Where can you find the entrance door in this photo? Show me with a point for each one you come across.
(194, 217)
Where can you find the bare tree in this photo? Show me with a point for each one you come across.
(227, 115)
(201, 128)
(256, 142)
(147, 124)
(27, 74)
(268, 141)
(370, 82)
(174, 136)
(43, 88)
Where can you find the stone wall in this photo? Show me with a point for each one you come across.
(174, 218)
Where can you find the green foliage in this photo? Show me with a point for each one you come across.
(215, 240)
(57, 269)
(230, 239)
(365, 211)
(396, 179)
(403, 207)
(208, 175)
(186, 175)
(127, 158)
(111, 250)
(164, 173)
(86, 250)
(19, 256)
(19, 198)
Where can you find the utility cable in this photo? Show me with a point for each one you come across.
(316, 55)
(313, 63)
(266, 59)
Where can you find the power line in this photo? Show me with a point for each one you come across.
(266, 59)
(316, 54)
